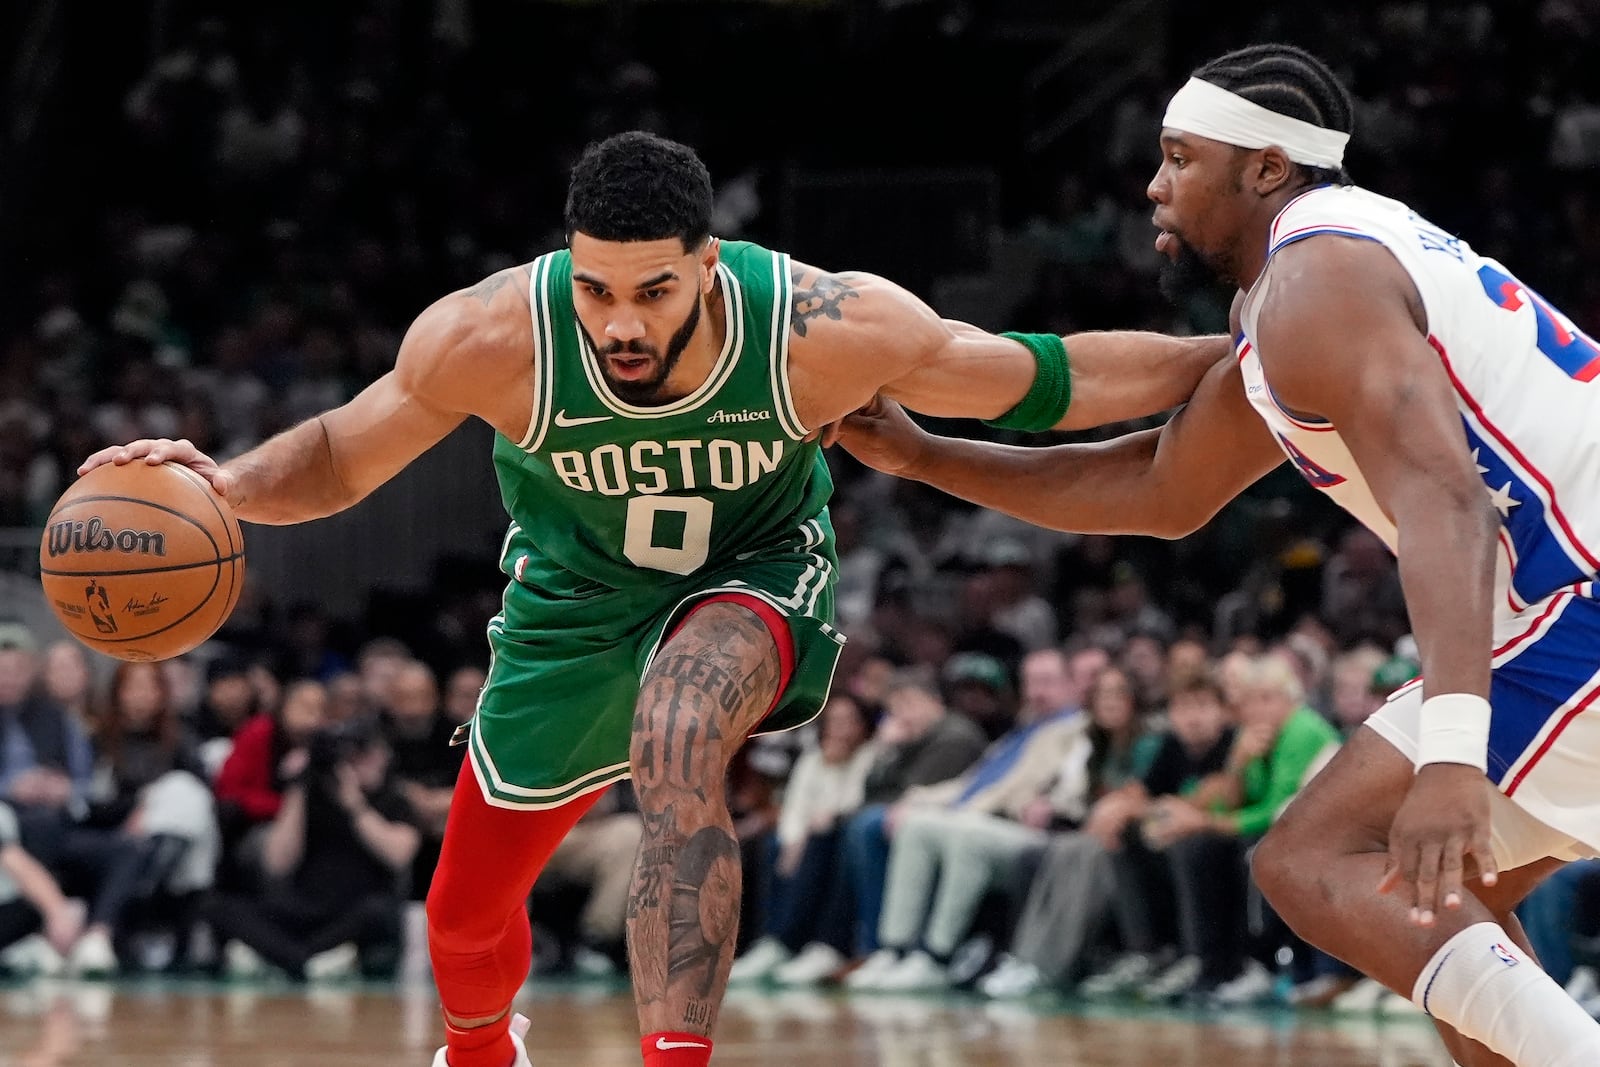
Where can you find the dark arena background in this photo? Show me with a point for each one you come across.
(217, 220)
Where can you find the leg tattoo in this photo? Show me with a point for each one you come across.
(705, 909)
(709, 687)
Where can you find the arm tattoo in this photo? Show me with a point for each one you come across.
(486, 289)
(824, 296)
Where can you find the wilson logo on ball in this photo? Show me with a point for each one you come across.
(95, 536)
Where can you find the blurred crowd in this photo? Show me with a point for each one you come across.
(1004, 815)
(211, 813)
(1047, 756)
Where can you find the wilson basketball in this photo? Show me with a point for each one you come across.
(142, 562)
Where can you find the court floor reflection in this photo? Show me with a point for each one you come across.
(60, 1024)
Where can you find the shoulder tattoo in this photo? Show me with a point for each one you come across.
(486, 289)
(818, 295)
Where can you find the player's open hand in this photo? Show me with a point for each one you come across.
(158, 451)
(881, 435)
(1443, 824)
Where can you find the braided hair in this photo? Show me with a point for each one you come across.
(1292, 82)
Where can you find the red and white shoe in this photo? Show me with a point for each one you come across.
(519, 1032)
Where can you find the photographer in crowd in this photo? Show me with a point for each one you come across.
(336, 855)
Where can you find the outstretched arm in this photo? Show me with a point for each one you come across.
(451, 359)
(1167, 482)
(858, 334)
(1116, 374)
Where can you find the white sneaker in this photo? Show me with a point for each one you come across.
(592, 963)
(1173, 982)
(338, 962)
(872, 969)
(1125, 973)
(814, 962)
(1321, 991)
(242, 961)
(1583, 984)
(519, 1033)
(92, 956)
(1364, 996)
(33, 955)
(760, 960)
(917, 973)
(1011, 979)
(970, 959)
(1252, 986)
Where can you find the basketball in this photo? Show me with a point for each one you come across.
(141, 562)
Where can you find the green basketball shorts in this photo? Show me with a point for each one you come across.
(556, 714)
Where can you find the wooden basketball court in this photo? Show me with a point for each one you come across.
(62, 1024)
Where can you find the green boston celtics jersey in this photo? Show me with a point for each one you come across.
(623, 518)
(602, 492)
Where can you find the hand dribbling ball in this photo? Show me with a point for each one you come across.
(142, 562)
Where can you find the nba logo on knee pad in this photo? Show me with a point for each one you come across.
(1504, 955)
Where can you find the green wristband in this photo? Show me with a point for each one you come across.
(1048, 398)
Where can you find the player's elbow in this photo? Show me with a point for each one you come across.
(1176, 530)
(1174, 517)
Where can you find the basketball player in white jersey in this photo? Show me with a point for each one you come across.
(1457, 415)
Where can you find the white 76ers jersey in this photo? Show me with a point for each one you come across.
(1527, 384)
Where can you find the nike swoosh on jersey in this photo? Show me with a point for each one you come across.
(663, 1044)
(563, 419)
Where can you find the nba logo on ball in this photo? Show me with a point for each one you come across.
(1504, 955)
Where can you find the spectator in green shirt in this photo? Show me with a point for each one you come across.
(1280, 744)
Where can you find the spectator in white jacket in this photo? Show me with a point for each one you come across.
(809, 910)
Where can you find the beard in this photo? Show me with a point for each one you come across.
(1190, 274)
(646, 391)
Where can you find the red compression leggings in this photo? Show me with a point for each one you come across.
(478, 933)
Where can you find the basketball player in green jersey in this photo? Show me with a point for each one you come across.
(657, 395)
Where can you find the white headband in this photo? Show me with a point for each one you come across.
(1209, 110)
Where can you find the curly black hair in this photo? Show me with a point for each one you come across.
(1292, 82)
(636, 186)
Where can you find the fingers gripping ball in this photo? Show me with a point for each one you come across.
(142, 562)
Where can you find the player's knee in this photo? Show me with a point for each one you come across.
(443, 919)
(682, 754)
(441, 924)
(455, 923)
(659, 788)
